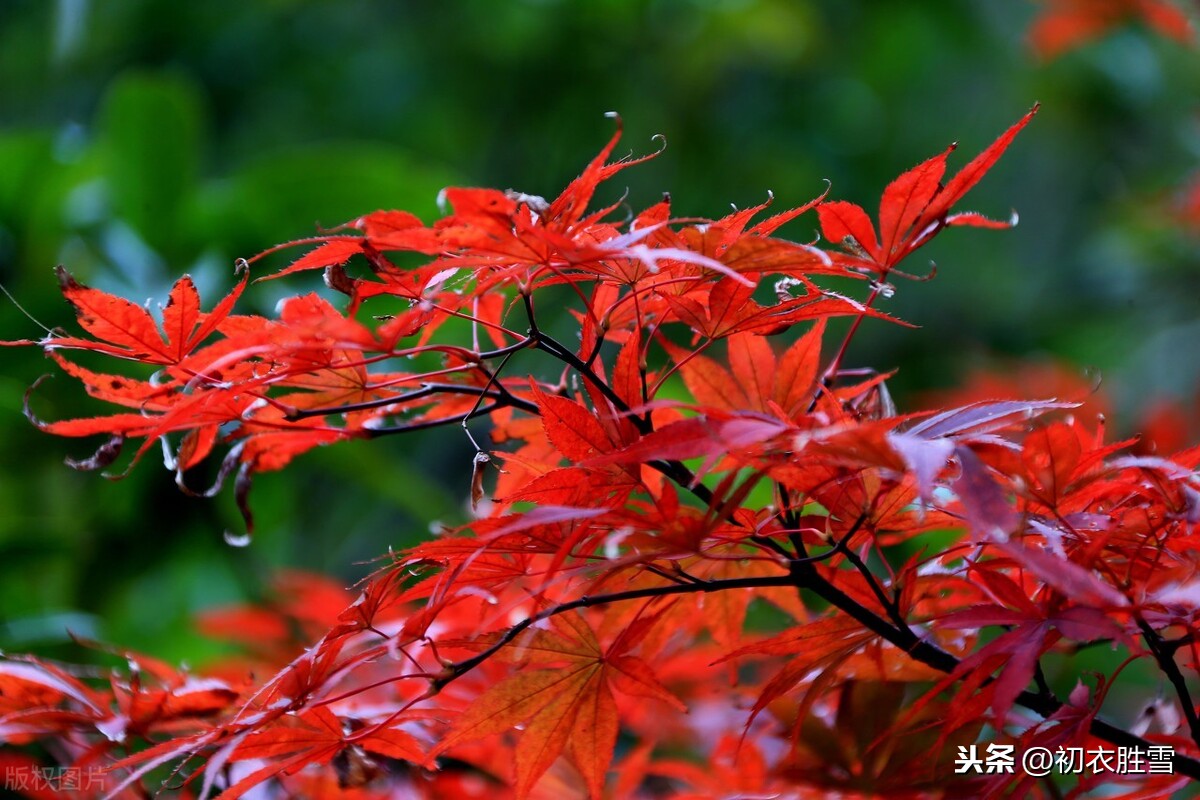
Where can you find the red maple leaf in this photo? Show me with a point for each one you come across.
(126, 330)
(317, 736)
(914, 208)
(567, 705)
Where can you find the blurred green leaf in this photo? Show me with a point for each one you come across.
(151, 135)
(25, 158)
(289, 194)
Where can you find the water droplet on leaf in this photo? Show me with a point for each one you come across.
(237, 539)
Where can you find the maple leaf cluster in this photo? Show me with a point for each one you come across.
(710, 561)
(1065, 24)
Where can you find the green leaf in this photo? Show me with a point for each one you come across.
(289, 193)
(151, 134)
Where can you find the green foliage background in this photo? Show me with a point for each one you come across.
(140, 139)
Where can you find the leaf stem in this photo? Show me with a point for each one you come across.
(836, 362)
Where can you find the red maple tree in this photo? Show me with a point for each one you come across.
(600, 628)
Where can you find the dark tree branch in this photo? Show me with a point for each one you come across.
(808, 578)
(890, 604)
(426, 390)
(1165, 656)
(457, 419)
(457, 670)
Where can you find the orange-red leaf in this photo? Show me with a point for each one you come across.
(336, 251)
(841, 220)
(126, 330)
(573, 429)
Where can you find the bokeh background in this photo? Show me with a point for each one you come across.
(140, 139)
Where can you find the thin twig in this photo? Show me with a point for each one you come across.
(1166, 662)
(457, 670)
